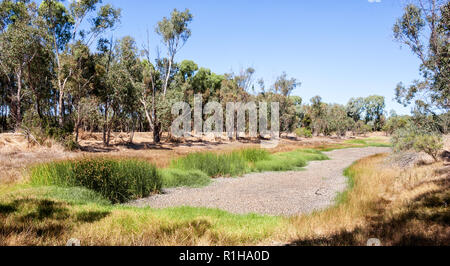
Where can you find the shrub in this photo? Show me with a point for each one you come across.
(360, 128)
(420, 141)
(42, 132)
(116, 180)
(303, 133)
(430, 144)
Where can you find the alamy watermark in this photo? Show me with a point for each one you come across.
(235, 125)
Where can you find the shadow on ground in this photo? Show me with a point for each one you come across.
(31, 221)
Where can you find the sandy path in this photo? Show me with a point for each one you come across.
(280, 193)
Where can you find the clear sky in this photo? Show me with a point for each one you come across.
(337, 49)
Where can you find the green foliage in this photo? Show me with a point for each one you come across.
(424, 29)
(337, 120)
(327, 119)
(355, 108)
(360, 128)
(374, 109)
(396, 123)
(118, 181)
(430, 144)
(303, 132)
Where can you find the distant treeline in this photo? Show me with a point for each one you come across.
(61, 73)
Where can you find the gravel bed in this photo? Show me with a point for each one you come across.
(270, 193)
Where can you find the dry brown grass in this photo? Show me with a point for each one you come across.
(397, 206)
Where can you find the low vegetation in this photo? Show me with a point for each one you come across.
(418, 140)
(288, 161)
(184, 178)
(399, 208)
(214, 165)
(303, 133)
(246, 161)
(122, 180)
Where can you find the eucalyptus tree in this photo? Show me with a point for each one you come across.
(245, 78)
(425, 29)
(64, 25)
(285, 86)
(127, 71)
(281, 93)
(22, 41)
(374, 109)
(355, 108)
(80, 63)
(103, 88)
(174, 32)
(338, 120)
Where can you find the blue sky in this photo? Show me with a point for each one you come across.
(337, 49)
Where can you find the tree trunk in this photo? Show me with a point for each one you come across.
(156, 133)
(61, 108)
(19, 99)
(105, 124)
(133, 128)
(77, 125)
(166, 82)
(77, 130)
(55, 106)
(108, 136)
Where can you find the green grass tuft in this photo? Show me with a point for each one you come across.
(350, 175)
(368, 143)
(118, 181)
(289, 161)
(254, 155)
(74, 195)
(179, 178)
(213, 165)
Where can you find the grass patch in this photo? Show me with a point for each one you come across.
(117, 181)
(74, 195)
(254, 155)
(368, 143)
(288, 161)
(36, 217)
(350, 174)
(184, 178)
(213, 165)
(246, 161)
